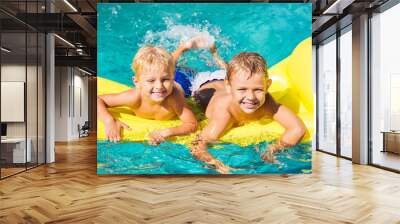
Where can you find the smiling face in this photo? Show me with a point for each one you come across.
(248, 92)
(154, 70)
(247, 81)
(155, 84)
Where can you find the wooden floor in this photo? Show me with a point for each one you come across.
(10, 171)
(70, 191)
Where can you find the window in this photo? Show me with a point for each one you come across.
(385, 89)
(327, 95)
(346, 92)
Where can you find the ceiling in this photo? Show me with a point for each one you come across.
(72, 20)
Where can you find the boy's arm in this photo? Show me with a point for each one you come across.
(210, 133)
(294, 127)
(125, 98)
(294, 132)
(185, 114)
(220, 62)
(179, 51)
(112, 126)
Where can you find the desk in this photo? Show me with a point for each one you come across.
(17, 150)
(391, 141)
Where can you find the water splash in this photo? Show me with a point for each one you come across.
(176, 32)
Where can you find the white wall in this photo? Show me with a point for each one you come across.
(13, 73)
(61, 103)
(10, 73)
(71, 93)
(33, 126)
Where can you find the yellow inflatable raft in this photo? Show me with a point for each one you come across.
(291, 86)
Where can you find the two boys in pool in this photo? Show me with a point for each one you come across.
(230, 97)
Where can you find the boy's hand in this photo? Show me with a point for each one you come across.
(199, 151)
(156, 137)
(187, 45)
(113, 129)
(269, 154)
(221, 168)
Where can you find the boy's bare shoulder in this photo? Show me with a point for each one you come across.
(219, 104)
(270, 106)
(176, 98)
(221, 99)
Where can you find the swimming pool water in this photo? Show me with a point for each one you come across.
(273, 30)
(169, 158)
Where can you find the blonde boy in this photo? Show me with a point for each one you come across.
(156, 96)
(242, 97)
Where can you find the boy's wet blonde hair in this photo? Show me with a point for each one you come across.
(247, 63)
(154, 57)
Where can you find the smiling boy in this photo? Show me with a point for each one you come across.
(156, 96)
(240, 98)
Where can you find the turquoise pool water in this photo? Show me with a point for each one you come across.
(273, 30)
(168, 158)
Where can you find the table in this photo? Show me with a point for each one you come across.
(391, 141)
(17, 150)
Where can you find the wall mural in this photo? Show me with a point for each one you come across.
(204, 88)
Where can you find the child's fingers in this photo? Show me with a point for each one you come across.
(153, 142)
(157, 140)
(152, 139)
(125, 126)
(161, 138)
(269, 157)
(110, 138)
(114, 137)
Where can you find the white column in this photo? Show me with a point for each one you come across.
(50, 92)
(360, 90)
(50, 104)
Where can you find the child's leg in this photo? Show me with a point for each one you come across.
(203, 78)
